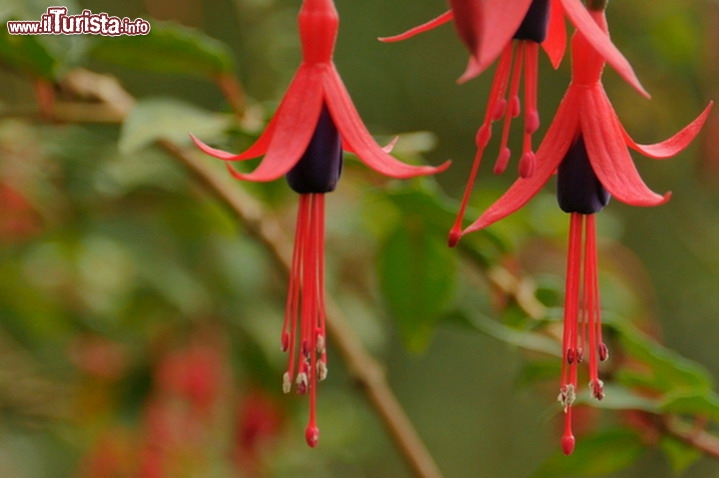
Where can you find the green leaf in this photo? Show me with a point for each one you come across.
(620, 398)
(165, 118)
(595, 455)
(45, 56)
(679, 454)
(538, 370)
(520, 338)
(704, 405)
(417, 278)
(168, 48)
(440, 212)
(435, 210)
(664, 370)
(27, 53)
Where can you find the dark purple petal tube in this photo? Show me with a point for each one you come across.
(319, 168)
(534, 25)
(578, 188)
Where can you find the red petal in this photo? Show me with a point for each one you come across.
(673, 145)
(599, 39)
(468, 21)
(295, 122)
(500, 21)
(559, 137)
(217, 153)
(440, 20)
(355, 134)
(386, 148)
(608, 153)
(473, 69)
(257, 149)
(556, 43)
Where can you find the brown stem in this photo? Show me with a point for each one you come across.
(693, 436)
(234, 94)
(364, 369)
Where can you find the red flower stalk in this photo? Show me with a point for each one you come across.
(513, 32)
(587, 146)
(303, 141)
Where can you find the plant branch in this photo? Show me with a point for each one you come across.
(693, 436)
(364, 369)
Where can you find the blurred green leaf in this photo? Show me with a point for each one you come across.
(417, 278)
(703, 405)
(620, 398)
(435, 210)
(679, 454)
(595, 455)
(440, 212)
(168, 48)
(165, 118)
(664, 370)
(45, 56)
(27, 53)
(538, 370)
(523, 339)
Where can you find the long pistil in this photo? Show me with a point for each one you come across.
(570, 339)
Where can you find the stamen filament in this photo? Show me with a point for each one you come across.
(304, 314)
(512, 111)
(495, 110)
(571, 314)
(512, 64)
(582, 322)
(316, 280)
(527, 163)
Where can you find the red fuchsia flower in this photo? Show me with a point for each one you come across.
(512, 31)
(304, 141)
(587, 146)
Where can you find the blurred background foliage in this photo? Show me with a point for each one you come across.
(139, 322)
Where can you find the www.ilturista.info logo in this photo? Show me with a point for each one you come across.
(57, 22)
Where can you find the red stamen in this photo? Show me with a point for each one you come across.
(571, 315)
(590, 295)
(495, 110)
(289, 328)
(582, 323)
(598, 348)
(312, 433)
(603, 352)
(305, 313)
(503, 106)
(527, 163)
(513, 110)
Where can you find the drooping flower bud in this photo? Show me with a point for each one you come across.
(534, 25)
(319, 168)
(578, 188)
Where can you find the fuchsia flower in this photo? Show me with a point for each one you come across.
(303, 141)
(587, 146)
(512, 31)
